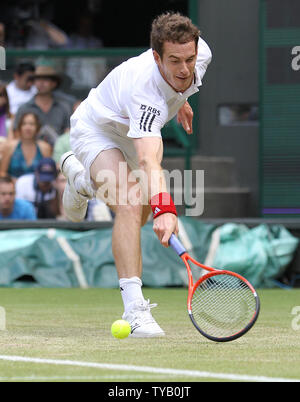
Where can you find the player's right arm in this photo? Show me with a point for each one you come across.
(149, 152)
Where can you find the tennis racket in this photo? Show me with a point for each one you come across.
(221, 304)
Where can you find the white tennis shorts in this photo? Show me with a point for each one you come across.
(88, 140)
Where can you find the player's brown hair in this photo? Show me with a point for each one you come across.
(172, 27)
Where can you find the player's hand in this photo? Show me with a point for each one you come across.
(185, 117)
(164, 225)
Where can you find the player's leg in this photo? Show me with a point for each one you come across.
(130, 215)
(113, 188)
(87, 144)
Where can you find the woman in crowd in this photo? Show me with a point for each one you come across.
(5, 115)
(5, 118)
(22, 155)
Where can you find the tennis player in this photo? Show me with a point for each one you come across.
(119, 125)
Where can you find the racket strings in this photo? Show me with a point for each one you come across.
(223, 305)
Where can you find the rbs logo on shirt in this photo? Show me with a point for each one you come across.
(148, 117)
(150, 109)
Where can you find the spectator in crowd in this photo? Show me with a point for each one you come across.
(12, 207)
(61, 146)
(2, 146)
(22, 155)
(86, 71)
(44, 34)
(40, 189)
(84, 37)
(53, 113)
(5, 114)
(62, 96)
(28, 24)
(5, 119)
(21, 89)
(2, 34)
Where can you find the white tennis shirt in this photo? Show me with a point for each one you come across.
(136, 96)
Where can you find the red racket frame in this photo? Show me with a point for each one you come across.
(212, 272)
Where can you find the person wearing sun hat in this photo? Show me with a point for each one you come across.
(52, 111)
(47, 72)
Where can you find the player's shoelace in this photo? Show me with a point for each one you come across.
(84, 189)
(142, 312)
(78, 200)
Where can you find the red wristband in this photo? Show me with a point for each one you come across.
(162, 203)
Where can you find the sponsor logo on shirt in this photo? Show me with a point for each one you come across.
(150, 109)
(148, 116)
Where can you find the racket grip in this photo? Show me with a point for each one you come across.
(176, 245)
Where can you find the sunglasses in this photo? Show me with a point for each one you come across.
(2, 94)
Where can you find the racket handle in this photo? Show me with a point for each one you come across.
(176, 245)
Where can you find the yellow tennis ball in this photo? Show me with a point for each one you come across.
(120, 329)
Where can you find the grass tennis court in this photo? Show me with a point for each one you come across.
(74, 325)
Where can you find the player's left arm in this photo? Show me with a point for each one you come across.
(185, 117)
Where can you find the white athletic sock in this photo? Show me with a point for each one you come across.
(131, 290)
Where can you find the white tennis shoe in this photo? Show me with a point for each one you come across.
(75, 199)
(143, 325)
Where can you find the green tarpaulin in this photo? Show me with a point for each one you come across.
(65, 258)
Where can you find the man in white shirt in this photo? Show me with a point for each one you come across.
(21, 89)
(119, 125)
